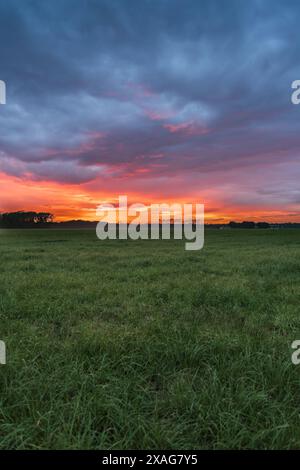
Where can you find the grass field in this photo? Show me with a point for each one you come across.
(125, 344)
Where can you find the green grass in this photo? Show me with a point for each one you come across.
(124, 344)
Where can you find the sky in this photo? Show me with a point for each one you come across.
(160, 100)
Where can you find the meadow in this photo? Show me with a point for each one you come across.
(143, 345)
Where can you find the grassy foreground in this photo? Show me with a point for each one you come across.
(124, 344)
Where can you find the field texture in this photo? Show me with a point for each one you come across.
(125, 344)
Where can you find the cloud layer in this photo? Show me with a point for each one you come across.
(164, 99)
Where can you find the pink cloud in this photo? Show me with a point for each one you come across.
(187, 128)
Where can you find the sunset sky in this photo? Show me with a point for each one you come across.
(164, 101)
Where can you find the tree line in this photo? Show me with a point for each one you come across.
(31, 219)
(22, 219)
(249, 224)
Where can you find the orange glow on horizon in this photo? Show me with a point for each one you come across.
(70, 202)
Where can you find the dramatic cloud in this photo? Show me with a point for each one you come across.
(167, 98)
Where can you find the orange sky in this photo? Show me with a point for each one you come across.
(70, 201)
(162, 109)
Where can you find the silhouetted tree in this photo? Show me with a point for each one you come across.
(242, 224)
(25, 219)
(263, 225)
(248, 224)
